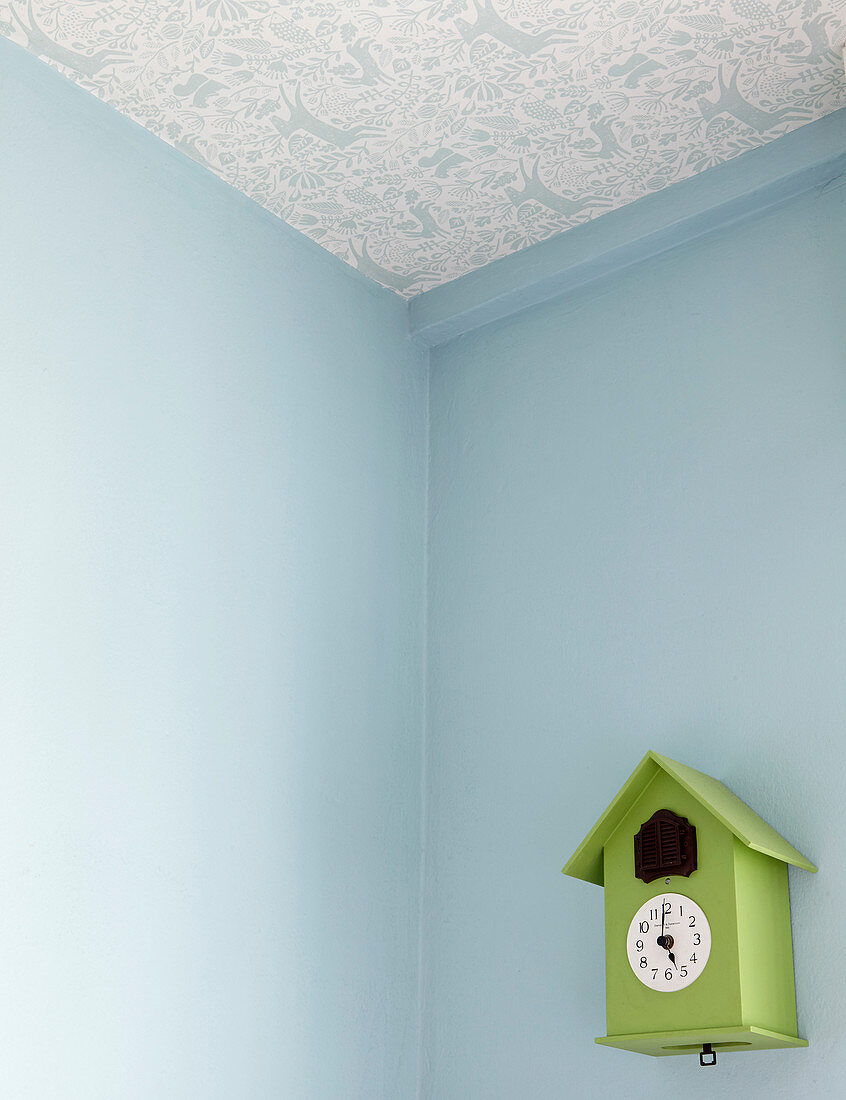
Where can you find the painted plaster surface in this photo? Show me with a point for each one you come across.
(637, 537)
(420, 140)
(211, 469)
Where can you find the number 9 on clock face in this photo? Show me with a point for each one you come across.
(668, 942)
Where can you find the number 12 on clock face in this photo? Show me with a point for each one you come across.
(668, 943)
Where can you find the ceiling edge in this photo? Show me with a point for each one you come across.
(80, 108)
(751, 184)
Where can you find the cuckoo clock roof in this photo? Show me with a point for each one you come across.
(587, 861)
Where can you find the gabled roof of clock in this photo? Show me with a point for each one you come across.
(587, 862)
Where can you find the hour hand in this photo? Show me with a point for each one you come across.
(667, 942)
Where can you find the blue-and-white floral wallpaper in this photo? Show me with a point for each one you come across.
(419, 140)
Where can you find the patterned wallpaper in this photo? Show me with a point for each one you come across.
(419, 140)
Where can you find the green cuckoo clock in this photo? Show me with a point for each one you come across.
(698, 948)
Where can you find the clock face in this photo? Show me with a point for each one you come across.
(668, 942)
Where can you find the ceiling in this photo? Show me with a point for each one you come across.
(420, 140)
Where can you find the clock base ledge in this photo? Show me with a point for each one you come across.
(728, 1040)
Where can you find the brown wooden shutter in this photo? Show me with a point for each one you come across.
(665, 845)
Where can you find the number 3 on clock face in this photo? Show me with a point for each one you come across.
(668, 942)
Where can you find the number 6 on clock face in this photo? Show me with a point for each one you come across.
(668, 942)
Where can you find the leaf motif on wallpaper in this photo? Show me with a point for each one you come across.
(502, 122)
(252, 45)
(193, 41)
(704, 21)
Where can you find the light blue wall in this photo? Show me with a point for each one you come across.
(211, 474)
(212, 467)
(637, 540)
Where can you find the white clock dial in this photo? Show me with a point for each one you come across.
(668, 942)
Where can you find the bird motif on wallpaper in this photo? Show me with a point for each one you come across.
(199, 88)
(442, 162)
(289, 31)
(635, 69)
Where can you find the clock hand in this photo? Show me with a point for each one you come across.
(667, 942)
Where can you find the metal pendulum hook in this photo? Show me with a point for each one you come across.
(707, 1052)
